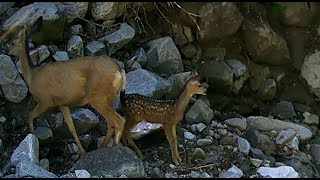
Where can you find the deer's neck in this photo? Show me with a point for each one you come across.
(183, 101)
(25, 61)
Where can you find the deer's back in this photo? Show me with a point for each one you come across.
(74, 79)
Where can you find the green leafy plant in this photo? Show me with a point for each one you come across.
(277, 8)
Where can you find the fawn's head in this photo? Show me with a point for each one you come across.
(16, 35)
(194, 85)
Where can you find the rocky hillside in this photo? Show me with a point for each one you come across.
(261, 65)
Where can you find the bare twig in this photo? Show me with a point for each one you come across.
(155, 4)
(145, 17)
(190, 13)
(78, 33)
(93, 23)
(196, 167)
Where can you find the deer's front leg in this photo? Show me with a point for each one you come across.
(172, 139)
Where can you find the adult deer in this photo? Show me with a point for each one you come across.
(167, 112)
(94, 80)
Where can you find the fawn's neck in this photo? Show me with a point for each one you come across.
(183, 101)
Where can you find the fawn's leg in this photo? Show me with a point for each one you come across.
(110, 115)
(172, 142)
(67, 117)
(39, 109)
(174, 134)
(130, 123)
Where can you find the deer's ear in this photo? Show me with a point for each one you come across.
(37, 25)
(192, 74)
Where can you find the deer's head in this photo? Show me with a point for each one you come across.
(194, 84)
(16, 35)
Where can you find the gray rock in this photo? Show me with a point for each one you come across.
(214, 123)
(39, 54)
(163, 56)
(52, 17)
(284, 110)
(44, 163)
(53, 48)
(75, 29)
(179, 37)
(3, 119)
(1, 145)
(200, 127)
(114, 161)
(198, 153)
(140, 57)
(27, 150)
(310, 118)
(156, 173)
(310, 72)
(119, 38)
(189, 51)
(61, 56)
(273, 48)
(243, 145)
(301, 108)
(8, 73)
(199, 112)
(74, 9)
(224, 15)
(216, 136)
(297, 14)
(219, 75)
(204, 142)
(30, 169)
(278, 172)
(240, 72)
(75, 47)
(82, 174)
(222, 132)
(294, 144)
(314, 151)
(268, 89)
(213, 53)
(107, 10)
(256, 153)
(15, 91)
(189, 136)
(136, 66)
(302, 163)
(178, 82)
(260, 141)
(193, 128)
(4, 6)
(256, 162)
(95, 48)
(232, 172)
(43, 133)
(269, 124)
(240, 123)
(285, 136)
(84, 119)
(146, 83)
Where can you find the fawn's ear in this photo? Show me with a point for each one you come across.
(192, 74)
(36, 26)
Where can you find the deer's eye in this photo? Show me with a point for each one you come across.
(199, 85)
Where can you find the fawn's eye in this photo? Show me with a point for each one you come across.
(199, 85)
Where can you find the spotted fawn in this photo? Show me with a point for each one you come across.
(166, 112)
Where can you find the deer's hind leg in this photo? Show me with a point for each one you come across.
(109, 134)
(67, 117)
(111, 116)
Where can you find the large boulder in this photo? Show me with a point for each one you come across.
(28, 150)
(114, 161)
(263, 44)
(74, 9)
(297, 13)
(163, 56)
(53, 21)
(4, 6)
(218, 20)
(146, 83)
(107, 10)
(310, 72)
